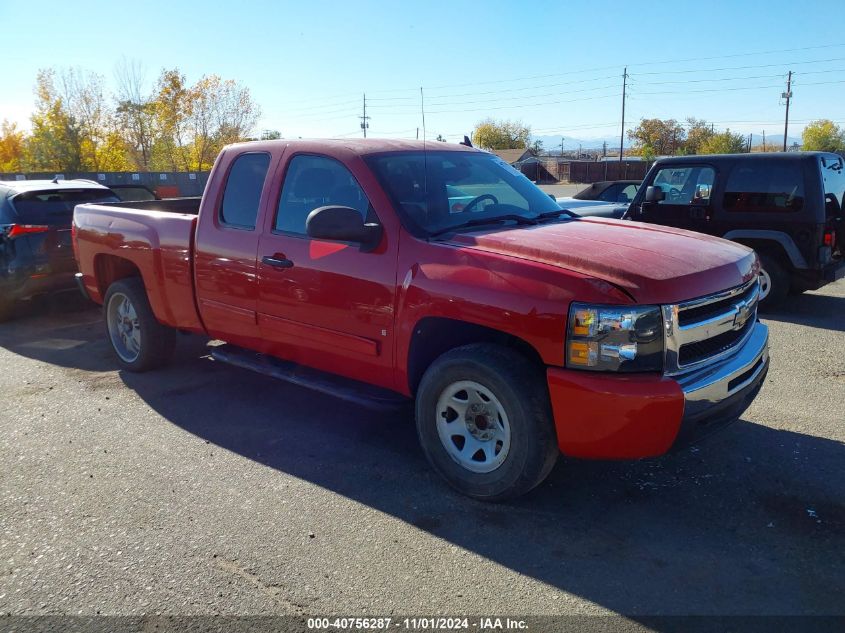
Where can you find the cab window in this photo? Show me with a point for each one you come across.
(243, 190)
(765, 186)
(691, 185)
(312, 182)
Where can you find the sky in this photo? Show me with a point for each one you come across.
(556, 66)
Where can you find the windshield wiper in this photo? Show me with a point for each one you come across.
(554, 214)
(499, 219)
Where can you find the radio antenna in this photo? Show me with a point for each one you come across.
(422, 108)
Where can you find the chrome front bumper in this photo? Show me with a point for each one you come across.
(718, 394)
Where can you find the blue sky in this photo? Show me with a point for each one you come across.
(556, 66)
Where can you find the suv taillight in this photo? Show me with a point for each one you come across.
(829, 237)
(16, 230)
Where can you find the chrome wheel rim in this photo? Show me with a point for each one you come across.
(765, 284)
(473, 426)
(124, 330)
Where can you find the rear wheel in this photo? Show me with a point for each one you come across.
(7, 309)
(139, 341)
(774, 282)
(485, 423)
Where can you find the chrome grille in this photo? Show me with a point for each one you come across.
(709, 328)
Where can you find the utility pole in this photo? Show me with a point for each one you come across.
(365, 120)
(787, 95)
(750, 139)
(561, 147)
(764, 140)
(622, 135)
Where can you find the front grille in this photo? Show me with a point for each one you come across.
(703, 329)
(699, 313)
(701, 350)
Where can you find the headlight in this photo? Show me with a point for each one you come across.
(614, 338)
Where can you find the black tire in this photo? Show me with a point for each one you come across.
(520, 387)
(778, 280)
(156, 340)
(7, 310)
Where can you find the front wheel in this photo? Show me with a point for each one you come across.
(139, 341)
(484, 422)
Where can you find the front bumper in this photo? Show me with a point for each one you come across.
(613, 416)
(717, 395)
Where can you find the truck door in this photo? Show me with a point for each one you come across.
(325, 304)
(688, 191)
(226, 246)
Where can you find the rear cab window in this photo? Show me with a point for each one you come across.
(242, 193)
(833, 174)
(765, 186)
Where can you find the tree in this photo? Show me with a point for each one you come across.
(725, 142)
(536, 147)
(11, 147)
(56, 140)
(823, 136)
(135, 113)
(699, 132)
(491, 134)
(270, 135)
(663, 136)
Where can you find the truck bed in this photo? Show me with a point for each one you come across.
(152, 238)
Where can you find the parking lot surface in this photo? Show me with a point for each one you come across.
(205, 489)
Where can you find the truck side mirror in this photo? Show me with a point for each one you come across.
(343, 224)
(654, 194)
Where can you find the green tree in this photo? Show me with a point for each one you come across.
(823, 136)
(699, 132)
(665, 137)
(491, 134)
(56, 140)
(726, 142)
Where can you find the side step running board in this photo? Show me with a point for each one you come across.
(353, 391)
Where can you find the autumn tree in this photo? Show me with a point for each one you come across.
(726, 142)
(491, 134)
(823, 136)
(11, 147)
(662, 136)
(698, 132)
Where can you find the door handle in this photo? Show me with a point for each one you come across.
(277, 262)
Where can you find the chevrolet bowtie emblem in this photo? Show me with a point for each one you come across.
(743, 313)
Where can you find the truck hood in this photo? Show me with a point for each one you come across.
(652, 264)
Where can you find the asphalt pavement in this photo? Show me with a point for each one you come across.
(206, 489)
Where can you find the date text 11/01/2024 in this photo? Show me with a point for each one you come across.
(417, 624)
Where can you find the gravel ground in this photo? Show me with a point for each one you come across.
(205, 489)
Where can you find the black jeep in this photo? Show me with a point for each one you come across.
(788, 207)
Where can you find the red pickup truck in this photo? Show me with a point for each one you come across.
(375, 269)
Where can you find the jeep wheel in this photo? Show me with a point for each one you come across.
(774, 283)
(139, 341)
(7, 309)
(485, 423)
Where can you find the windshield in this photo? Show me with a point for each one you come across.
(55, 206)
(436, 191)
